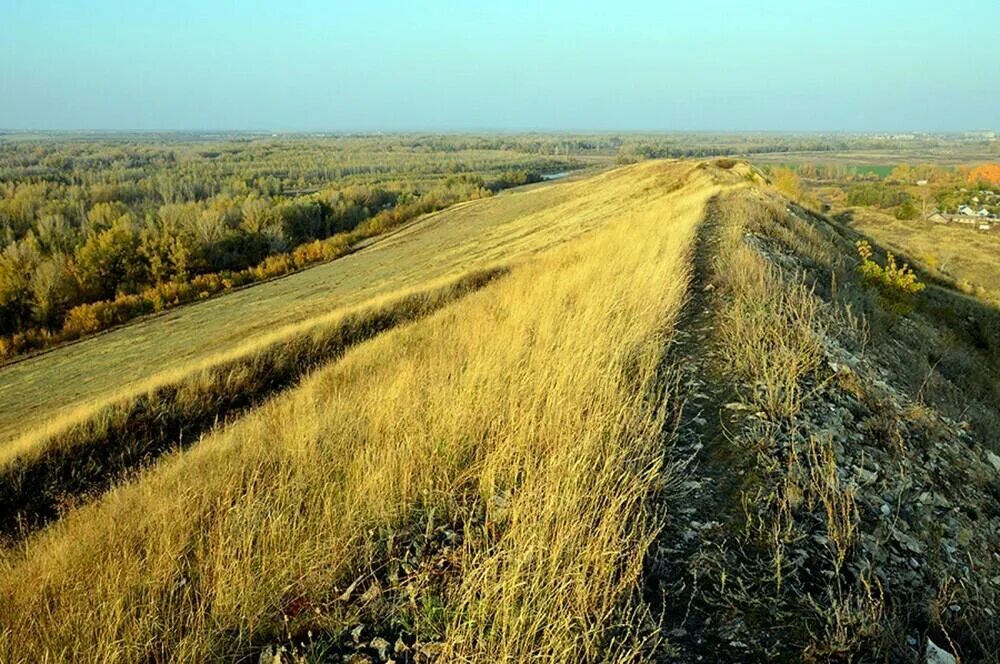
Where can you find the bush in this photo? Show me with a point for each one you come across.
(273, 266)
(907, 211)
(787, 182)
(96, 316)
(897, 284)
(81, 319)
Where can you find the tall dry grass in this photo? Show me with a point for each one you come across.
(91, 448)
(528, 418)
(770, 323)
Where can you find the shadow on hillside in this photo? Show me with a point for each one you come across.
(89, 457)
(946, 351)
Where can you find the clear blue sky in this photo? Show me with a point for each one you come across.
(501, 64)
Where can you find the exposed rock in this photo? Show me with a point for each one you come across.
(937, 655)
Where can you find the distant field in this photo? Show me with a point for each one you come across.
(882, 162)
(443, 244)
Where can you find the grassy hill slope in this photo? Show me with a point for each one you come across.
(437, 246)
(474, 485)
(694, 432)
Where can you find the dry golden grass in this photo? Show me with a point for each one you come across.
(87, 451)
(441, 245)
(769, 326)
(529, 415)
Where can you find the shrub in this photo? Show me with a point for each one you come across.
(208, 283)
(897, 284)
(273, 266)
(907, 211)
(787, 182)
(96, 316)
(81, 320)
(877, 195)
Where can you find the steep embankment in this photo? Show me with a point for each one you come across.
(841, 502)
(477, 485)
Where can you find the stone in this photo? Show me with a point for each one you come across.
(908, 542)
(358, 658)
(994, 460)
(840, 369)
(865, 476)
(934, 654)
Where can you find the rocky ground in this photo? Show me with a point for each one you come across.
(863, 528)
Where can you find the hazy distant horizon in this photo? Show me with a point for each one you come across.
(447, 67)
(487, 132)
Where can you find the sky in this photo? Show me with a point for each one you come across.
(509, 65)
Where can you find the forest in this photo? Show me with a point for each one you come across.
(97, 231)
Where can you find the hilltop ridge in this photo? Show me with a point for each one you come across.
(844, 494)
(666, 416)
